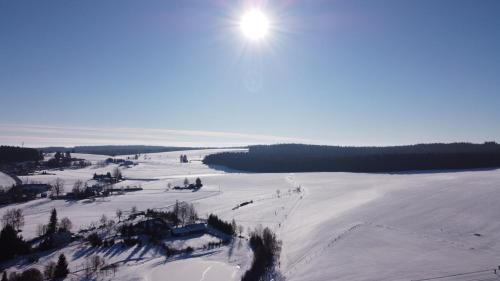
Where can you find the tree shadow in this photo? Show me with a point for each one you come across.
(445, 171)
(225, 169)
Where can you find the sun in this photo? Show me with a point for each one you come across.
(254, 25)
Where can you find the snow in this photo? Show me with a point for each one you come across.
(194, 242)
(341, 226)
(89, 157)
(194, 270)
(6, 181)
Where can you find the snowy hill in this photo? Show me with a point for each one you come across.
(6, 181)
(340, 226)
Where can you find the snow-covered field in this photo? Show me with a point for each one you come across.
(341, 226)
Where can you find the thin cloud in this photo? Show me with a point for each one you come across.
(46, 135)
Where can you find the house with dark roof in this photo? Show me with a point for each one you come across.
(190, 229)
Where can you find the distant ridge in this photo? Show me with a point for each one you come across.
(318, 158)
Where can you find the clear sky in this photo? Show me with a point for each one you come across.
(372, 72)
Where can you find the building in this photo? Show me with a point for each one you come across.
(34, 188)
(153, 225)
(190, 229)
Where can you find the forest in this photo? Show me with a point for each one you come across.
(11, 154)
(317, 158)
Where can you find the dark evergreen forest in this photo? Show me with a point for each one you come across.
(316, 158)
(11, 154)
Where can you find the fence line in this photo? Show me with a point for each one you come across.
(455, 275)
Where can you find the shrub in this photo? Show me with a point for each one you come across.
(46, 244)
(41, 230)
(131, 241)
(170, 251)
(109, 243)
(65, 225)
(95, 240)
(31, 274)
(14, 276)
(127, 230)
(33, 258)
(48, 270)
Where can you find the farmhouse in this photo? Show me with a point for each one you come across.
(34, 188)
(190, 229)
(153, 225)
(23, 192)
(106, 178)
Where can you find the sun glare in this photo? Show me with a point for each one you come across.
(254, 25)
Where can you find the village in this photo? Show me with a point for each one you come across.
(174, 230)
(98, 185)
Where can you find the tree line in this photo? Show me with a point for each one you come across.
(316, 158)
(12, 154)
(266, 248)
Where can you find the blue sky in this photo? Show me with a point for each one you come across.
(372, 72)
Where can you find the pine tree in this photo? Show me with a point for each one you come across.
(61, 269)
(4, 276)
(198, 183)
(233, 226)
(52, 226)
(176, 210)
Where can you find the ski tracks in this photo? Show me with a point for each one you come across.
(317, 251)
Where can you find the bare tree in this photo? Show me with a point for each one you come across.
(58, 187)
(233, 226)
(191, 212)
(103, 220)
(93, 265)
(14, 218)
(183, 215)
(49, 270)
(110, 224)
(117, 174)
(41, 230)
(186, 213)
(176, 208)
(65, 224)
(97, 262)
(119, 214)
(77, 187)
